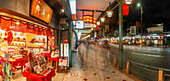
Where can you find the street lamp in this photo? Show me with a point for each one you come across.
(98, 23)
(102, 19)
(139, 5)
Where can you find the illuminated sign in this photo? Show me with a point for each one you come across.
(41, 10)
(79, 25)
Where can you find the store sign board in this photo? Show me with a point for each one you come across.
(133, 30)
(79, 25)
(66, 50)
(88, 25)
(61, 49)
(41, 10)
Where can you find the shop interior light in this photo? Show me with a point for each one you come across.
(98, 23)
(91, 28)
(102, 19)
(109, 13)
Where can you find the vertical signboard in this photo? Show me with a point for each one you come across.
(66, 50)
(61, 49)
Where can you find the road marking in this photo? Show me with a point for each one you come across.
(146, 54)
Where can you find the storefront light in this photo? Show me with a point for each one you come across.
(109, 13)
(98, 23)
(102, 19)
(128, 1)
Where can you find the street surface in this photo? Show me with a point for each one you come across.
(92, 65)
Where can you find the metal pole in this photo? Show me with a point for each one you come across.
(121, 36)
(141, 22)
(141, 19)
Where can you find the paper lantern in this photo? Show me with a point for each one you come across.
(88, 17)
(94, 19)
(94, 22)
(91, 18)
(125, 9)
(84, 17)
(65, 41)
(80, 18)
(91, 21)
(87, 20)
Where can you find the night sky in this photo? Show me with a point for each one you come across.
(157, 11)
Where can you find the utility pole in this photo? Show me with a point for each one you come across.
(120, 62)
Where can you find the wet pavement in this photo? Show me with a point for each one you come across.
(91, 64)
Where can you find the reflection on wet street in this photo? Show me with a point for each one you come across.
(91, 63)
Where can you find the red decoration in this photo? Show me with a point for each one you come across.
(65, 41)
(15, 26)
(145, 35)
(36, 30)
(131, 36)
(44, 32)
(30, 28)
(125, 9)
(5, 24)
(9, 35)
(48, 32)
(40, 31)
(23, 27)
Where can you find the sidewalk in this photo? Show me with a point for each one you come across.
(93, 69)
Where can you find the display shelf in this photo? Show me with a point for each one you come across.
(34, 47)
(16, 46)
(37, 42)
(18, 41)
